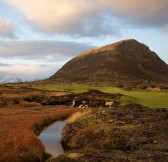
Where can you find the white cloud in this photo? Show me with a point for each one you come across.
(40, 59)
(73, 17)
(29, 69)
(6, 28)
(89, 18)
(25, 72)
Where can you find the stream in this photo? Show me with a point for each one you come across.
(51, 138)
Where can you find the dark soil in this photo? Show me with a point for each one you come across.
(124, 133)
(93, 98)
(118, 133)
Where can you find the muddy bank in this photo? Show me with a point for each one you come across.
(15, 94)
(125, 133)
(92, 98)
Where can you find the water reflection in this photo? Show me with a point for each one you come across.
(51, 138)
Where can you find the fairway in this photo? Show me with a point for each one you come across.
(151, 99)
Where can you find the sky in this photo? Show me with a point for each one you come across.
(37, 37)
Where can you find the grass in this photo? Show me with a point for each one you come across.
(68, 88)
(19, 128)
(21, 122)
(77, 115)
(151, 99)
(131, 136)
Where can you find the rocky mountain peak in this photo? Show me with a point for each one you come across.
(123, 60)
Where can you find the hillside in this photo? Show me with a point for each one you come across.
(114, 63)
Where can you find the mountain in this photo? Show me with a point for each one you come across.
(10, 79)
(122, 61)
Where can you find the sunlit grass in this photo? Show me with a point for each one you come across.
(77, 115)
(152, 99)
(19, 128)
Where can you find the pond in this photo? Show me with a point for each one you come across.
(51, 138)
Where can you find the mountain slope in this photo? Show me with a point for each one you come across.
(123, 60)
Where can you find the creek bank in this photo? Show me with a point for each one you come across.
(124, 133)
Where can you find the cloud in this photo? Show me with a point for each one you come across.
(151, 13)
(6, 28)
(41, 49)
(40, 59)
(24, 71)
(77, 18)
(31, 68)
(2, 65)
(92, 18)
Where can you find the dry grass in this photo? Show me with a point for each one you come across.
(77, 115)
(29, 104)
(11, 91)
(125, 133)
(19, 128)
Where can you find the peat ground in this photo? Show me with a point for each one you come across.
(124, 133)
(121, 132)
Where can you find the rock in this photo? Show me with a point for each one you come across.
(104, 113)
(111, 121)
(120, 122)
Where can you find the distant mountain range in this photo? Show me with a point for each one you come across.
(122, 61)
(10, 79)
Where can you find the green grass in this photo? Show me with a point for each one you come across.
(152, 99)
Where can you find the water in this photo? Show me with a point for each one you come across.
(51, 138)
